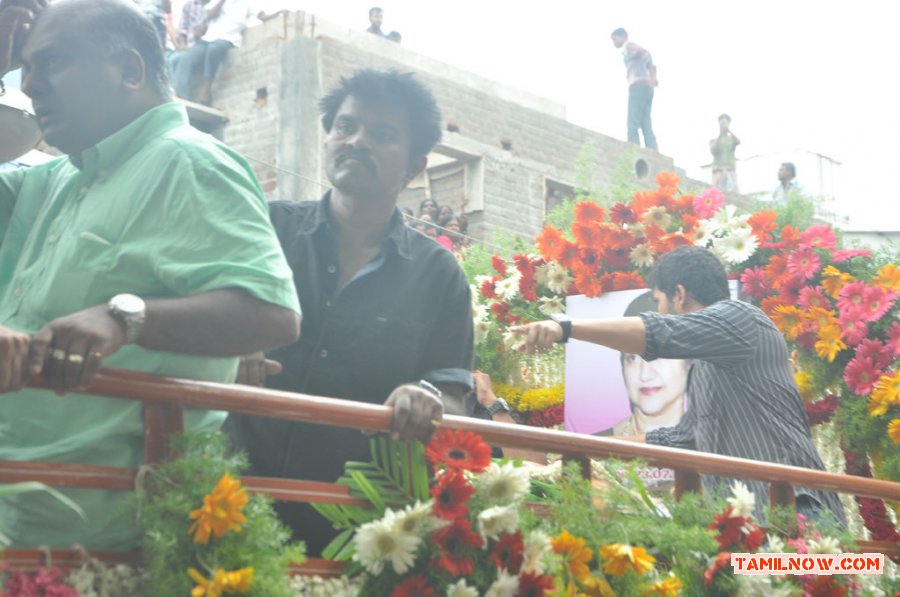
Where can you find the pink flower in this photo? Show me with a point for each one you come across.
(804, 263)
(707, 203)
(813, 297)
(876, 350)
(820, 236)
(846, 254)
(893, 341)
(851, 298)
(854, 329)
(877, 301)
(753, 282)
(860, 376)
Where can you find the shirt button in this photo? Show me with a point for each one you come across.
(323, 353)
(332, 269)
(52, 239)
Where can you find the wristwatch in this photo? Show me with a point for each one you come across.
(130, 310)
(565, 323)
(427, 385)
(499, 405)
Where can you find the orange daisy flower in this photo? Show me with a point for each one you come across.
(619, 557)
(668, 182)
(789, 320)
(763, 223)
(575, 553)
(894, 431)
(458, 449)
(888, 277)
(550, 243)
(221, 511)
(588, 211)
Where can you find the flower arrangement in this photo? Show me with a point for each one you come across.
(204, 535)
(538, 407)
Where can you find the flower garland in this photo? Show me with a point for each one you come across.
(537, 407)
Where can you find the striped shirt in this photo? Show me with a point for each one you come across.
(744, 401)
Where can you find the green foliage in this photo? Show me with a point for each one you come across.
(176, 488)
(796, 211)
(396, 476)
(30, 486)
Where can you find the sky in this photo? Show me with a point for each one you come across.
(796, 76)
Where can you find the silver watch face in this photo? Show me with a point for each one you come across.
(127, 304)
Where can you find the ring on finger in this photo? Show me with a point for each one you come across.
(58, 354)
(97, 354)
(75, 358)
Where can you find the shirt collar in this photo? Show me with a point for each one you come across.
(115, 149)
(398, 233)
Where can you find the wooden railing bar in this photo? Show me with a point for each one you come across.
(293, 490)
(346, 413)
(68, 475)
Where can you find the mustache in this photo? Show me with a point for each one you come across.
(364, 157)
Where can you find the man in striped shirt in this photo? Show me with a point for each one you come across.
(743, 400)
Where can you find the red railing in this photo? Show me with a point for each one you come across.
(165, 400)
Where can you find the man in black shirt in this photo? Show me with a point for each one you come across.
(387, 311)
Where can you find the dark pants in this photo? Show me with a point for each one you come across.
(640, 101)
(208, 54)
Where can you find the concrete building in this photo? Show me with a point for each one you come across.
(511, 155)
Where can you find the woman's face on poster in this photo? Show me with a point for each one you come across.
(654, 386)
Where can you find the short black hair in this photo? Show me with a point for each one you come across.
(373, 10)
(697, 269)
(619, 31)
(117, 26)
(725, 116)
(394, 89)
(789, 166)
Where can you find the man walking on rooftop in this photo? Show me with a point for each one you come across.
(641, 74)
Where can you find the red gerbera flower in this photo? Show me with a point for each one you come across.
(588, 211)
(753, 282)
(487, 289)
(508, 553)
(458, 449)
(876, 302)
(628, 281)
(853, 327)
(622, 214)
(754, 538)
(722, 561)
(499, 265)
(846, 254)
(587, 234)
(456, 542)
(535, 585)
(880, 353)
(450, 493)
(727, 527)
(819, 236)
(860, 375)
(893, 341)
(851, 296)
(813, 297)
(414, 586)
(804, 263)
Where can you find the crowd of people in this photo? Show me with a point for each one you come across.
(150, 246)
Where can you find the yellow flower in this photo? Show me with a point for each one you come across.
(888, 278)
(829, 343)
(221, 510)
(789, 320)
(222, 581)
(821, 317)
(541, 398)
(596, 587)
(834, 279)
(511, 394)
(575, 553)
(804, 381)
(668, 587)
(885, 394)
(620, 557)
(894, 430)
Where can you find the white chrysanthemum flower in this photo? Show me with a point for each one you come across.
(657, 216)
(502, 483)
(642, 255)
(542, 274)
(480, 279)
(742, 500)
(549, 305)
(726, 220)
(824, 545)
(774, 544)
(461, 589)
(738, 246)
(558, 278)
(508, 287)
(537, 545)
(506, 585)
(498, 520)
(380, 541)
(481, 329)
(513, 341)
(703, 233)
(415, 519)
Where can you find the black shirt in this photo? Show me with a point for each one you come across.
(405, 316)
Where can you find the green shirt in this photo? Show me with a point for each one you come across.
(158, 210)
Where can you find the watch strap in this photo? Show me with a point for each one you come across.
(499, 405)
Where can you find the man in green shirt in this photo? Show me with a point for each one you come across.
(148, 247)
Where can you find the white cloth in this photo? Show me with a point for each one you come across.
(229, 25)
